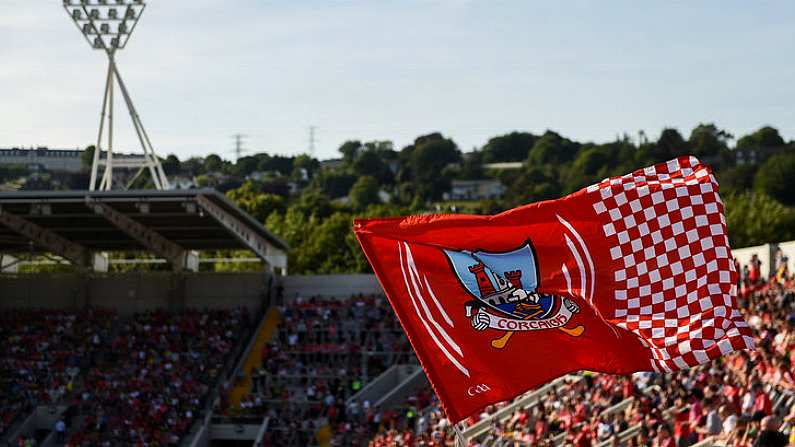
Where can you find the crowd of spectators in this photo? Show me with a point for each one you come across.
(745, 399)
(42, 351)
(325, 351)
(157, 375)
(139, 380)
(145, 379)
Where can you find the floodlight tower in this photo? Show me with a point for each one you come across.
(107, 25)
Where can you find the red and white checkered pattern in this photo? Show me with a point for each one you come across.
(675, 279)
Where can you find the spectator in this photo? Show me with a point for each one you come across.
(769, 436)
(60, 430)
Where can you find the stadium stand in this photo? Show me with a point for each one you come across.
(156, 376)
(325, 350)
(94, 357)
(42, 353)
(192, 358)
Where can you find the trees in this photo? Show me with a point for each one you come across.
(370, 162)
(319, 227)
(671, 144)
(592, 164)
(192, 166)
(350, 150)
(707, 141)
(754, 219)
(758, 146)
(304, 168)
(278, 163)
(334, 183)
(552, 149)
(213, 163)
(313, 203)
(509, 147)
(87, 157)
(245, 165)
(736, 178)
(254, 201)
(364, 192)
(776, 177)
(762, 138)
(427, 158)
(319, 245)
(171, 165)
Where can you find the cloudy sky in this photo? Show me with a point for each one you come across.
(203, 70)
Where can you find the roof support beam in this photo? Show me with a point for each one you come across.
(49, 240)
(256, 243)
(179, 258)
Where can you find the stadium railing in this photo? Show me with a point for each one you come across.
(560, 438)
(397, 382)
(710, 441)
(261, 434)
(482, 427)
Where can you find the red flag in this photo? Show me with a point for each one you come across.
(631, 274)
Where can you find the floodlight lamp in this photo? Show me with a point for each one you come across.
(104, 28)
(112, 13)
(123, 28)
(85, 2)
(95, 14)
(88, 29)
(77, 14)
(114, 42)
(130, 14)
(98, 43)
(103, 2)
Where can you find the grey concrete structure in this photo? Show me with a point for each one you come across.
(136, 291)
(42, 158)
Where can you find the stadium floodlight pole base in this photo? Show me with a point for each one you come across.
(97, 23)
(149, 161)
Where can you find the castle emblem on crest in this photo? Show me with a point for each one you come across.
(504, 287)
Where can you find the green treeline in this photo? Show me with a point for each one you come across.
(312, 204)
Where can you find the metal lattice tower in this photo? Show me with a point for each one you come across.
(107, 25)
(312, 141)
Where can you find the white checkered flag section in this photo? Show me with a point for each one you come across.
(676, 285)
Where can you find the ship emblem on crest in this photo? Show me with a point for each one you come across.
(504, 286)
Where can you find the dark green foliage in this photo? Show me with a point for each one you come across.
(335, 183)
(776, 177)
(364, 193)
(552, 149)
(755, 219)
(87, 157)
(670, 144)
(426, 161)
(510, 147)
(253, 200)
(171, 165)
(708, 142)
(736, 178)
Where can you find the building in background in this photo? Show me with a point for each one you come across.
(475, 190)
(43, 159)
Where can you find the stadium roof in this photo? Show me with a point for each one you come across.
(75, 224)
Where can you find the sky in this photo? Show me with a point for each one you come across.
(200, 71)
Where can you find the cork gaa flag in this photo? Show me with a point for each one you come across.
(631, 274)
